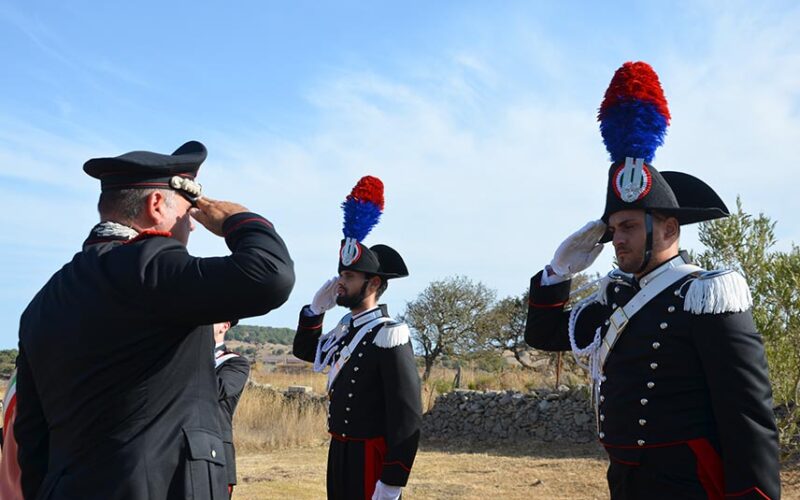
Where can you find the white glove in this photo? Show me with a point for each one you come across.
(325, 298)
(579, 250)
(384, 491)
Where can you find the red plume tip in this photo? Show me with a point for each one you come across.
(635, 81)
(370, 189)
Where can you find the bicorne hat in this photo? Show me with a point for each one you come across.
(145, 169)
(362, 211)
(633, 122)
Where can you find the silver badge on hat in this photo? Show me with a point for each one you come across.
(188, 186)
(633, 180)
(351, 251)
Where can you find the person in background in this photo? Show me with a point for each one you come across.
(232, 372)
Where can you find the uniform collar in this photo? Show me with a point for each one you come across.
(367, 316)
(219, 347)
(681, 258)
(107, 230)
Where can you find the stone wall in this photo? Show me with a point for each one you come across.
(299, 395)
(542, 415)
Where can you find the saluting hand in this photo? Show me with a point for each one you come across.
(579, 250)
(212, 213)
(325, 298)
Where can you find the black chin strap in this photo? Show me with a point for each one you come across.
(648, 246)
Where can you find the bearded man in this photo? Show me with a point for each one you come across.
(375, 412)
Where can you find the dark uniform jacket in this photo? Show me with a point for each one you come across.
(232, 372)
(117, 396)
(675, 377)
(377, 393)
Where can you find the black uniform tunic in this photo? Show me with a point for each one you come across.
(685, 405)
(232, 372)
(375, 411)
(117, 396)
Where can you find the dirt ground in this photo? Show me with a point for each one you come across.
(544, 471)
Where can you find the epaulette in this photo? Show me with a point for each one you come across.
(715, 292)
(392, 335)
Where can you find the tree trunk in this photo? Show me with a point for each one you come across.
(427, 372)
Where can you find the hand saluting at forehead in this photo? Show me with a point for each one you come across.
(212, 213)
(579, 250)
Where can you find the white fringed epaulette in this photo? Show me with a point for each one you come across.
(715, 292)
(392, 335)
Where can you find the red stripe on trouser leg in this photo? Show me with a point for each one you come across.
(709, 468)
(374, 451)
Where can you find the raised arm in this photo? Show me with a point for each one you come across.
(256, 278)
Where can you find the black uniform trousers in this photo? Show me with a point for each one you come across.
(354, 466)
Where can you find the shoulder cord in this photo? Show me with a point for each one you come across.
(591, 351)
(326, 343)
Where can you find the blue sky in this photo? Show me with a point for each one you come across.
(478, 116)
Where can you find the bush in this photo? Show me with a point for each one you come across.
(745, 243)
(8, 362)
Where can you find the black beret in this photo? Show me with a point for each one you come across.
(145, 169)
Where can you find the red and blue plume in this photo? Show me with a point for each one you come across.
(634, 115)
(363, 208)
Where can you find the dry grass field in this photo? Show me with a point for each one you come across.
(440, 473)
(282, 450)
(535, 471)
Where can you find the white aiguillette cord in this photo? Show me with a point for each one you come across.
(621, 315)
(329, 340)
(350, 349)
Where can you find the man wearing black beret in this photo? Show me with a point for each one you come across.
(116, 391)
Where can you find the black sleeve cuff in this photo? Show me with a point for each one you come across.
(395, 473)
(310, 321)
(548, 296)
